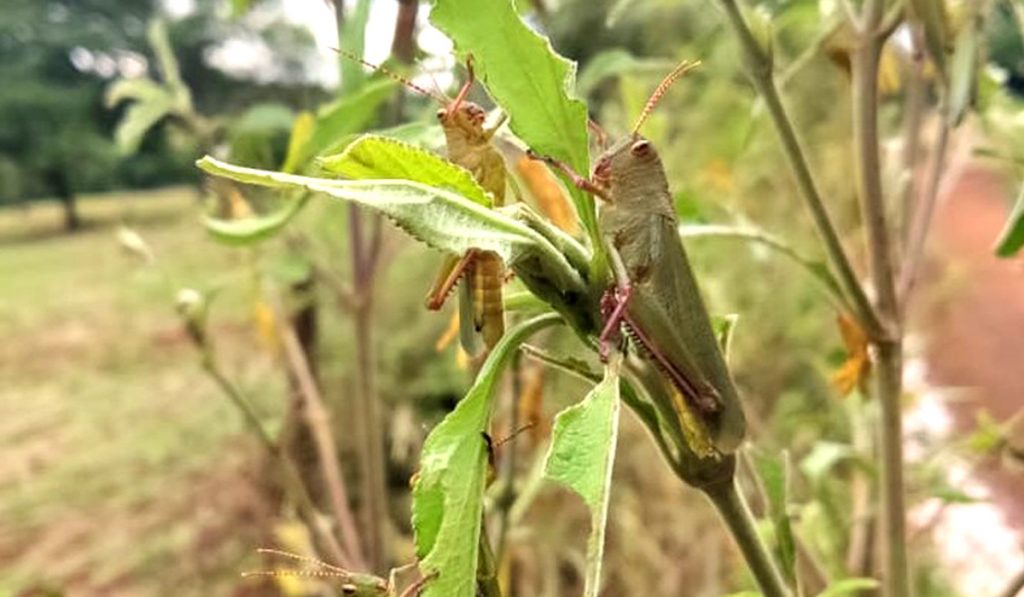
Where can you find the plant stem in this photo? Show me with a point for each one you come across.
(737, 517)
(888, 364)
(507, 497)
(327, 450)
(913, 114)
(759, 68)
(294, 486)
(370, 435)
(922, 219)
(887, 348)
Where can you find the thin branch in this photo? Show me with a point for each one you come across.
(913, 113)
(760, 71)
(887, 349)
(921, 223)
(327, 451)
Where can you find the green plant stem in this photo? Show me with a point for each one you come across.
(507, 496)
(737, 517)
(759, 68)
(887, 349)
(888, 365)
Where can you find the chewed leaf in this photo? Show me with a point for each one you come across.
(528, 79)
(373, 157)
(582, 457)
(442, 219)
(448, 493)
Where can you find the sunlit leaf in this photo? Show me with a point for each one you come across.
(448, 492)
(528, 79)
(348, 115)
(374, 157)
(582, 457)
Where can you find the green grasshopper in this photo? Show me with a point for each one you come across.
(655, 296)
(353, 584)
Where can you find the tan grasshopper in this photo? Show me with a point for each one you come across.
(352, 584)
(655, 296)
(469, 145)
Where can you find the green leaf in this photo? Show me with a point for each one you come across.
(724, 326)
(302, 132)
(775, 474)
(346, 116)
(448, 494)
(254, 229)
(614, 62)
(963, 84)
(374, 157)
(1011, 239)
(582, 456)
(353, 41)
(529, 80)
(848, 586)
(138, 119)
(823, 457)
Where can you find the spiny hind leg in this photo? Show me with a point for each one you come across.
(613, 309)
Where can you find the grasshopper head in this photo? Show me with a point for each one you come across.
(462, 118)
(627, 167)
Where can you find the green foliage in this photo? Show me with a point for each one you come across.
(528, 79)
(1011, 239)
(615, 62)
(442, 219)
(349, 114)
(582, 457)
(849, 586)
(448, 493)
(152, 101)
(375, 157)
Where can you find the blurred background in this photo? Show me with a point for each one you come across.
(149, 372)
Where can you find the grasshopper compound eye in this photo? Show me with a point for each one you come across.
(442, 113)
(641, 148)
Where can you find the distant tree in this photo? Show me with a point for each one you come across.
(59, 57)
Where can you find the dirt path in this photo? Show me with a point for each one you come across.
(975, 321)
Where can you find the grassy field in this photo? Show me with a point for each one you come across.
(122, 469)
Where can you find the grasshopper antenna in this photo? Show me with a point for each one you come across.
(512, 436)
(659, 92)
(394, 76)
(300, 558)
